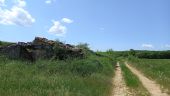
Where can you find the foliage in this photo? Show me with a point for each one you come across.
(62, 52)
(153, 54)
(132, 81)
(156, 69)
(2, 43)
(132, 52)
(83, 46)
(144, 54)
(90, 76)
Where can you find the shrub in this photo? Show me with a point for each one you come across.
(85, 67)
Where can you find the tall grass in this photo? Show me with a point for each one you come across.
(79, 77)
(133, 83)
(156, 69)
(2, 43)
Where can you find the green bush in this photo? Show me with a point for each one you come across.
(85, 67)
(91, 76)
(2, 43)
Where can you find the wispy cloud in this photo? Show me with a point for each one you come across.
(48, 1)
(17, 15)
(147, 46)
(20, 3)
(67, 20)
(2, 2)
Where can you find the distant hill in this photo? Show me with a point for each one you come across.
(3, 43)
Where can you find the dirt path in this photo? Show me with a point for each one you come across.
(118, 82)
(150, 85)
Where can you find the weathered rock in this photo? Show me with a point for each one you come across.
(16, 51)
(40, 48)
(40, 41)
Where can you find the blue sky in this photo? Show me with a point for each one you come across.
(103, 24)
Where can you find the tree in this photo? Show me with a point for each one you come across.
(83, 46)
(132, 52)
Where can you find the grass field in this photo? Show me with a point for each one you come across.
(156, 69)
(133, 83)
(80, 77)
(2, 43)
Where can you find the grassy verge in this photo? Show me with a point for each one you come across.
(79, 77)
(156, 69)
(2, 43)
(133, 83)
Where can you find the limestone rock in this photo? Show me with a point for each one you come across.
(40, 48)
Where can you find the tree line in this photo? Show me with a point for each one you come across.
(142, 54)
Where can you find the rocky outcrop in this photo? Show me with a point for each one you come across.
(41, 48)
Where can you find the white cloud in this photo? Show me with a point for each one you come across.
(2, 2)
(48, 1)
(17, 15)
(57, 29)
(21, 3)
(147, 46)
(67, 20)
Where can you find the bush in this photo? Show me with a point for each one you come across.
(5, 43)
(83, 46)
(153, 54)
(85, 67)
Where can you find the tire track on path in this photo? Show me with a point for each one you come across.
(119, 83)
(150, 85)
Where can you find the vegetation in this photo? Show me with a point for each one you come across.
(156, 69)
(89, 76)
(142, 54)
(133, 83)
(2, 43)
(83, 46)
(152, 54)
(67, 74)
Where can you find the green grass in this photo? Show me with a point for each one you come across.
(133, 83)
(79, 77)
(2, 43)
(156, 69)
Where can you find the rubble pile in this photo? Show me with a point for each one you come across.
(41, 48)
